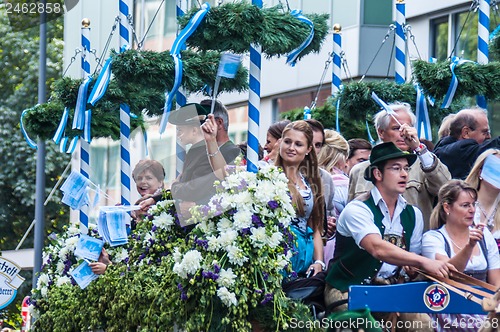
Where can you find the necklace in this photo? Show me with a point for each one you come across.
(456, 245)
(489, 218)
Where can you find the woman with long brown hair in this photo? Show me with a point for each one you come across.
(298, 159)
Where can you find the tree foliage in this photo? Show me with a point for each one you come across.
(19, 56)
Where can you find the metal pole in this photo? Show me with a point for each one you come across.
(40, 156)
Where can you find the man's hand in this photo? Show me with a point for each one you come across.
(410, 135)
(98, 267)
(439, 268)
(209, 128)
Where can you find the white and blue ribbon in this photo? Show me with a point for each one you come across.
(81, 104)
(86, 129)
(62, 144)
(30, 142)
(455, 61)
(178, 45)
(62, 126)
(423, 123)
(72, 145)
(294, 54)
(370, 138)
(337, 121)
(169, 96)
(101, 84)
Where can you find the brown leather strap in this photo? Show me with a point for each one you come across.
(464, 278)
(450, 284)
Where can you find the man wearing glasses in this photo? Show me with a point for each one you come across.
(469, 137)
(379, 235)
(426, 176)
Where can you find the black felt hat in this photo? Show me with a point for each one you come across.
(192, 114)
(386, 151)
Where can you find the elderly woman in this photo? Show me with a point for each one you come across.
(455, 238)
(485, 178)
(148, 176)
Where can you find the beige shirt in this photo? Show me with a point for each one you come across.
(421, 190)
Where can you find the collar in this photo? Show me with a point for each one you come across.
(377, 197)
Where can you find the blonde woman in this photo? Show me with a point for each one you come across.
(333, 158)
(485, 178)
(458, 240)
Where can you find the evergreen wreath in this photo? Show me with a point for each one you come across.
(234, 26)
(473, 79)
(140, 78)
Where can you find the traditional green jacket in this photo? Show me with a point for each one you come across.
(352, 265)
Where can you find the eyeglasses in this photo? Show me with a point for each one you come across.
(398, 169)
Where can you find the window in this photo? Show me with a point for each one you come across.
(465, 30)
(439, 28)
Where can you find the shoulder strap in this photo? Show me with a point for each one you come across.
(484, 249)
(446, 244)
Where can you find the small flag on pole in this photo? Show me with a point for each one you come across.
(228, 65)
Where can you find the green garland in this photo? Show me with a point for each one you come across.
(140, 80)
(473, 79)
(234, 26)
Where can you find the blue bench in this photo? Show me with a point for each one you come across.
(422, 297)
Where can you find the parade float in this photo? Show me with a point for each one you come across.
(226, 273)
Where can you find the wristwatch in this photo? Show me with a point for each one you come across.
(421, 149)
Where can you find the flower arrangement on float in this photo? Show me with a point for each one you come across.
(225, 274)
(233, 262)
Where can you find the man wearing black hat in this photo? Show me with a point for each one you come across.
(195, 184)
(379, 233)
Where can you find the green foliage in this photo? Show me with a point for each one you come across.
(18, 90)
(473, 79)
(234, 26)
(140, 80)
(494, 48)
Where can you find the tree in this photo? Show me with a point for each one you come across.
(19, 56)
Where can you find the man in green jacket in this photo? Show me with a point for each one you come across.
(379, 234)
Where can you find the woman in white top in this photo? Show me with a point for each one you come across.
(485, 178)
(455, 238)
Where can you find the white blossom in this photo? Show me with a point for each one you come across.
(236, 255)
(64, 280)
(190, 263)
(258, 237)
(226, 278)
(163, 221)
(227, 297)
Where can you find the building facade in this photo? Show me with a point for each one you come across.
(440, 29)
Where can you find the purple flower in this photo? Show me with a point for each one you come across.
(141, 257)
(258, 291)
(245, 231)
(243, 185)
(179, 287)
(257, 221)
(216, 268)
(268, 297)
(265, 276)
(202, 243)
(205, 209)
(154, 228)
(184, 296)
(273, 205)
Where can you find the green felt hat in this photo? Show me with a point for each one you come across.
(386, 151)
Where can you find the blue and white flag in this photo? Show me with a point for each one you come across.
(383, 104)
(228, 65)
